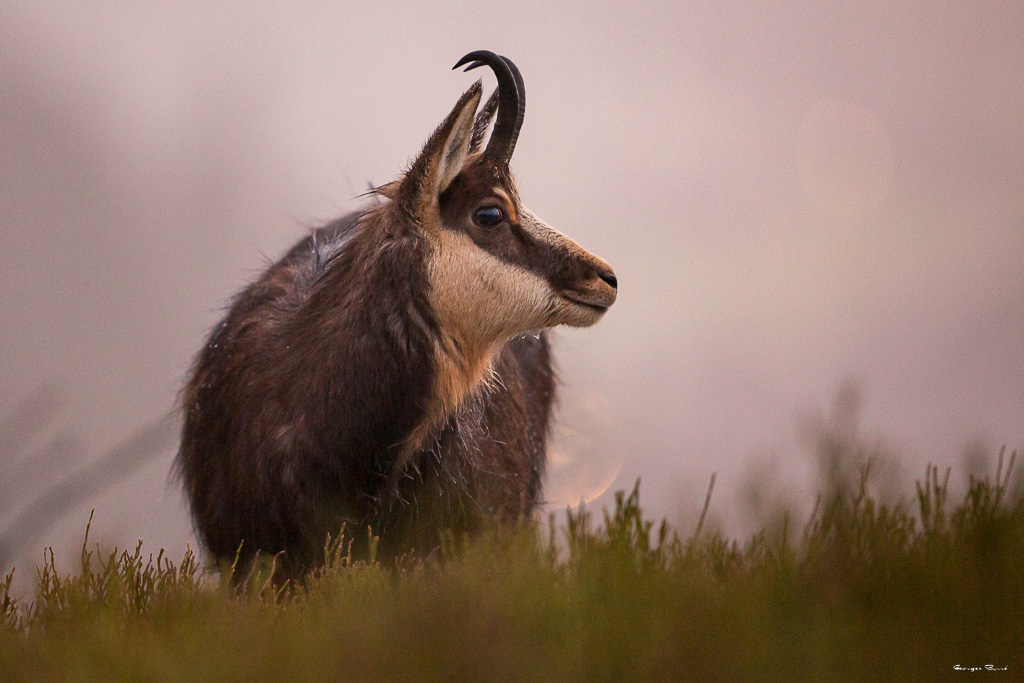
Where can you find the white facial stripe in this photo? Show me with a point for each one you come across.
(482, 297)
(480, 302)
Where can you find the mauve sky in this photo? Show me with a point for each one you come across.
(792, 195)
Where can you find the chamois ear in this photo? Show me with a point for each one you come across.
(483, 120)
(442, 157)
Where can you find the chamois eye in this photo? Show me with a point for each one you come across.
(488, 216)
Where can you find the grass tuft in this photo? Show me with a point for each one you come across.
(866, 590)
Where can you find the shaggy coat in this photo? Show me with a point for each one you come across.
(391, 370)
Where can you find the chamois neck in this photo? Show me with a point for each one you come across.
(367, 326)
(373, 316)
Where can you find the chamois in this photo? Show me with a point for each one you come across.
(392, 369)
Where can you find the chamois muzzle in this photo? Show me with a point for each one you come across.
(511, 102)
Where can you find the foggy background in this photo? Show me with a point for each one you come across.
(796, 198)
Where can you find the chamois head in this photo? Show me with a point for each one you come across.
(495, 269)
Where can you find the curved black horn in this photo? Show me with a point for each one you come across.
(511, 102)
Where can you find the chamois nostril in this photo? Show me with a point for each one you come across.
(609, 277)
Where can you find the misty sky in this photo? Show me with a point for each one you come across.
(792, 195)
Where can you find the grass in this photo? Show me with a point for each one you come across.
(864, 591)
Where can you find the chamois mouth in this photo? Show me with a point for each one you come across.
(577, 301)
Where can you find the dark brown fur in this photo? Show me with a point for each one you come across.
(300, 400)
(325, 397)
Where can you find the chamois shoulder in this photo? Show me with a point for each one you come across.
(286, 284)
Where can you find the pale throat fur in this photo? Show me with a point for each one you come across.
(473, 328)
